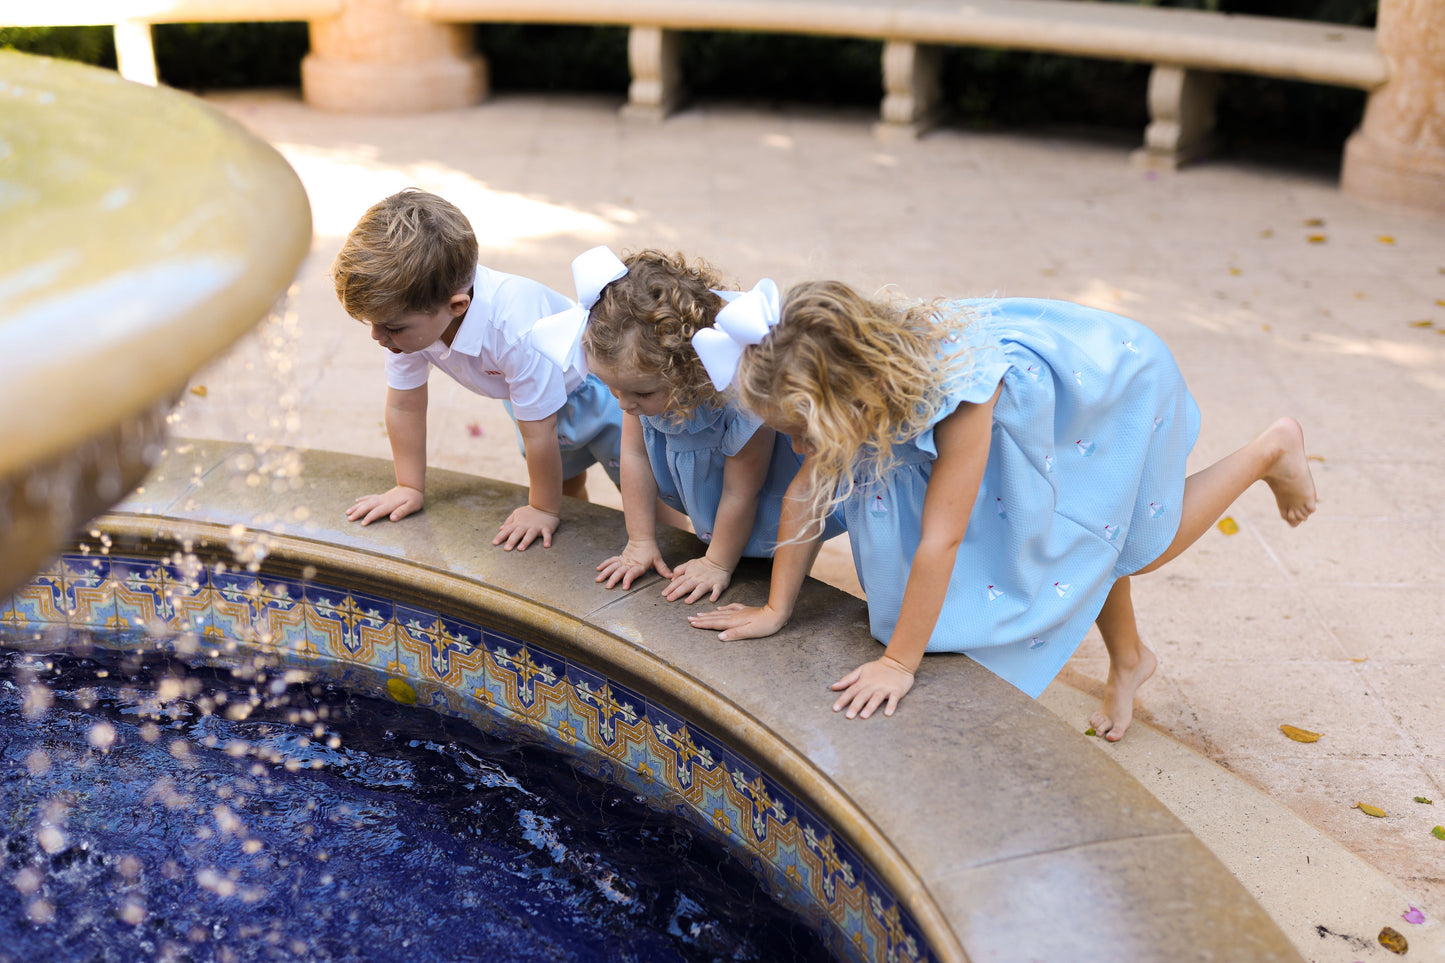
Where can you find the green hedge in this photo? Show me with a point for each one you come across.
(983, 88)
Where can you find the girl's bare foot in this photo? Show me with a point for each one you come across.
(1115, 715)
(1288, 473)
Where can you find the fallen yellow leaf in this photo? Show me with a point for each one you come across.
(1438, 832)
(198, 390)
(1316, 239)
(1394, 942)
(1228, 525)
(1314, 457)
(1386, 239)
(401, 691)
(1427, 323)
(1369, 810)
(1364, 659)
(1269, 232)
(1440, 302)
(1235, 271)
(1315, 222)
(1300, 735)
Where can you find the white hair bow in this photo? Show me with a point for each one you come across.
(559, 336)
(744, 320)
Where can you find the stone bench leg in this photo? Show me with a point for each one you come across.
(1181, 112)
(374, 56)
(135, 52)
(655, 58)
(912, 87)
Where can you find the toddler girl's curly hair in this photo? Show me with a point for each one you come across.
(646, 319)
(851, 377)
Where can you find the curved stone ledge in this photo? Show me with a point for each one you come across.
(981, 812)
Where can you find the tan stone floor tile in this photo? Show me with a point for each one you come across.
(1241, 706)
(1384, 624)
(1362, 551)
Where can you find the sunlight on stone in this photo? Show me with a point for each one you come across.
(342, 184)
(1100, 294)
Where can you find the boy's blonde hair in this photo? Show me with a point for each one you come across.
(645, 320)
(858, 375)
(410, 252)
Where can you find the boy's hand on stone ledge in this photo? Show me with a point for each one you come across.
(636, 560)
(396, 504)
(526, 525)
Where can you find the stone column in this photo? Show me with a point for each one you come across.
(373, 57)
(912, 87)
(1397, 156)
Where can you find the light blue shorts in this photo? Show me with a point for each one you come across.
(589, 430)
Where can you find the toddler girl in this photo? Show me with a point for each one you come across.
(701, 454)
(1003, 465)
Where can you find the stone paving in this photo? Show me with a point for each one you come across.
(1278, 294)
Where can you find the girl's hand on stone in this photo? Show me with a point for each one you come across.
(696, 578)
(636, 560)
(866, 687)
(740, 621)
(396, 504)
(524, 526)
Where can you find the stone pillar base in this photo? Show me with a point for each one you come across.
(913, 89)
(1394, 174)
(361, 87)
(1181, 118)
(655, 58)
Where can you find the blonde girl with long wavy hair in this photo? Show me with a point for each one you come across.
(1004, 466)
(683, 443)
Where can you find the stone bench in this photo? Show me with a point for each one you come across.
(1188, 48)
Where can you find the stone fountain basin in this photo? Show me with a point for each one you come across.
(973, 825)
(144, 232)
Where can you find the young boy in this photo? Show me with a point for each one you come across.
(409, 270)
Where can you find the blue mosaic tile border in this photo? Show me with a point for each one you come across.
(489, 677)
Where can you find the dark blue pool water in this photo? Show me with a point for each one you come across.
(142, 818)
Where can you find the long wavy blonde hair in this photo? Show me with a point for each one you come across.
(855, 376)
(645, 320)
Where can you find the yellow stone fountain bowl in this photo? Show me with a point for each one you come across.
(141, 233)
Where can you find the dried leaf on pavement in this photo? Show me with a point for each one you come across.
(1369, 810)
(1300, 735)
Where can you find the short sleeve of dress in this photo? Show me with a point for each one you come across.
(407, 371)
(739, 428)
(981, 363)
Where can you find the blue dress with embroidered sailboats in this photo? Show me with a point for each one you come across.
(1083, 485)
(688, 457)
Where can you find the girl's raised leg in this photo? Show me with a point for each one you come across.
(1276, 457)
(1131, 663)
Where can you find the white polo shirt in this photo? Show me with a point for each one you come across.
(492, 354)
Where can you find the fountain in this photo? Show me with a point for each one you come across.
(972, 826)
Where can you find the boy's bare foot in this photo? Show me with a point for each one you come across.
(1288, 474)
(1115, 715)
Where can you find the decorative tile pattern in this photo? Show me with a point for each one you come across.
(498, 683)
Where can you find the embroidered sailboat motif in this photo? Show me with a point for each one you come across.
(998, 507)
(1156, 509)
(1036, 642)
(993, 593)
(1111, 532)
(1086, 448)
(1130, 346)
(1063, 588)
(878, 508)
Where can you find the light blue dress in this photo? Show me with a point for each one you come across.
(1083, 485)
(687, 460)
